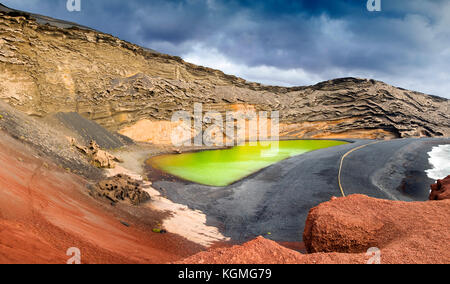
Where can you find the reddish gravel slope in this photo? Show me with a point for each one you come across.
(263, 251)
(44, 211)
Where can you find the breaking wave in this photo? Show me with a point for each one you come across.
(440, 160)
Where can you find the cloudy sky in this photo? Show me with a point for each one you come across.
(287, 43)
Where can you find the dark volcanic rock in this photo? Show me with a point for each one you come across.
(89, 131)
(441, 189)
(99, 158)
(122, 188)
(47, 139)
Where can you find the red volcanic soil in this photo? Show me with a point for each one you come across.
(263, 251)
(343, 229)
(441, 189)
(258, 251)
(45, 210)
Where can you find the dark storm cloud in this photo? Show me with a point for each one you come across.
(407, 44)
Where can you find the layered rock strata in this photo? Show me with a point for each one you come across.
(61, 67)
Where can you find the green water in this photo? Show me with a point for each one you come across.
(224, 167)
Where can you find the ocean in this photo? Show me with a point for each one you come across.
(440, 160)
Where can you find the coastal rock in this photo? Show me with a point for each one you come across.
(356, 223)
(329, 229)
(122, 188)
(441, 189)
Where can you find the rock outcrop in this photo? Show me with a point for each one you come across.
(48, 139)
(97, 156)
(441, 189)
(357, 223)
(62, 67)
(122, 188)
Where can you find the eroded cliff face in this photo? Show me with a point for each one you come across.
(46, 69)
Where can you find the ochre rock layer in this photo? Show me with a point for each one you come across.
(45, 69)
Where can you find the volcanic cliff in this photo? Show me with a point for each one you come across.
(49, 66)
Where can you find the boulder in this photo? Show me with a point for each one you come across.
(99, 157)
(122, 188)
(441, 189)
(405, 232)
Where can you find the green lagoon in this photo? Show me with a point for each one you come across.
(224, 167)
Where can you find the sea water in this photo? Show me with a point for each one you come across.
(440, 160)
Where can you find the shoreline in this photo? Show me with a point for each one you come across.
(236, 206)
(154, 174)
(183, 221)
(183, 214)
(437, 159)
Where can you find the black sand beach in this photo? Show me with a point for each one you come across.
(275, 202)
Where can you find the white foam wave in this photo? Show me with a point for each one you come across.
(440, 160)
